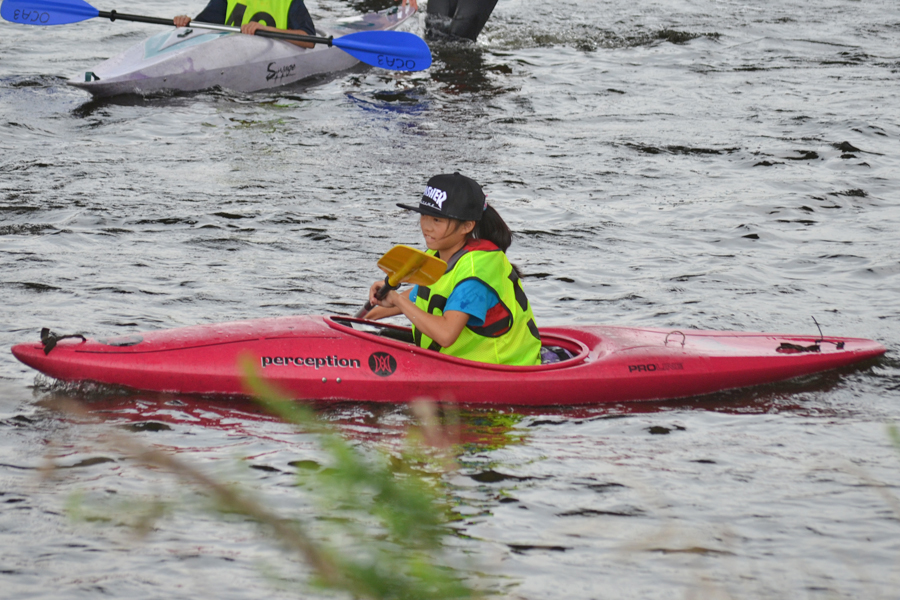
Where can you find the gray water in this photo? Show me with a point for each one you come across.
(717, 165)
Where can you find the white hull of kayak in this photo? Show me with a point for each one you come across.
(186, 60)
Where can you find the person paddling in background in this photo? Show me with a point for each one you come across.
(477, 310)
(289, 16)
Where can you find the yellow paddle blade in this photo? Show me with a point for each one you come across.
(410, 265)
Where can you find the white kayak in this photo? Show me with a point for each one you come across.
(191, 59)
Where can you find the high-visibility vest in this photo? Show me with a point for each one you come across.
(273, 13)
(509, 335)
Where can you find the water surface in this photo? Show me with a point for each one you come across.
(717, 165)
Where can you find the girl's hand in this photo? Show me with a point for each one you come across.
(386, 301)
(252, 27)
(182, 21)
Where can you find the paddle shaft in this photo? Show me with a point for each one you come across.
(112, 15)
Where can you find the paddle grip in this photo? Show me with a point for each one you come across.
(381, 293)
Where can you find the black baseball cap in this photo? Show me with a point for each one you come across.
(452, 196)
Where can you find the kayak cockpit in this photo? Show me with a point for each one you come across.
(555, 349)
(385, 330)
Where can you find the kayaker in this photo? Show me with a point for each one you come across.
(478, 309)
(278, 15)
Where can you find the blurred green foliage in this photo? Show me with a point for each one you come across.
(398, 557)
(380, 519)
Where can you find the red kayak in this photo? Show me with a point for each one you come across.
(340, 358)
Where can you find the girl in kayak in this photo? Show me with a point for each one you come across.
(290, 16)
(477, 310)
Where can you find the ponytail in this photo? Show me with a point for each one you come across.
(494, 229)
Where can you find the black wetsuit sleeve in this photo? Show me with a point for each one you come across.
(298, 18)
(214, 12)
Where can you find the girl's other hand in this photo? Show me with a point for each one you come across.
(182, 21)
(252, 27)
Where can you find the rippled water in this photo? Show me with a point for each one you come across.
(722, 165)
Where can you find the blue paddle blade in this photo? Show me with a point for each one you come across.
(47, 12)
(395, 50)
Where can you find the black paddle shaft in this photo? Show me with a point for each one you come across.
(112, 15)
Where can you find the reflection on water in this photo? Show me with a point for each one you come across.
(461, 68)
(475, 428)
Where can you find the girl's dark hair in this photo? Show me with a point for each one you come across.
(493, 228)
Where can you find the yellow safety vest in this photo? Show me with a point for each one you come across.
(509, 335)
(273, 13)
